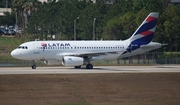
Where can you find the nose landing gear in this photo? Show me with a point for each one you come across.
(34, 65)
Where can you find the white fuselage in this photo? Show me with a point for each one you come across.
(55, 50)
(58, 49)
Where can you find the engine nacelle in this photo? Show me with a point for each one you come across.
(72, 61)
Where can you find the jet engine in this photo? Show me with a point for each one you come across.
(72, 61)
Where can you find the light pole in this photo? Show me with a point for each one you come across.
(75, 27)
(94, 28)
(6, 5)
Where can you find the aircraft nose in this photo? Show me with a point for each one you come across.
(14, 54)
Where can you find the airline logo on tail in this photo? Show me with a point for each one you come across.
(145, 33)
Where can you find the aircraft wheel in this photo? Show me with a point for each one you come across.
(34, 64)
(34, 67)
(89, 66)
(77, 67)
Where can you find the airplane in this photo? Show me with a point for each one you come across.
(79, 53)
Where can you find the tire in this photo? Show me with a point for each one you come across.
(34, 67)
(89, 66)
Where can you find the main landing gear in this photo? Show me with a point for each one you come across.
(34, 65)
(88, 66)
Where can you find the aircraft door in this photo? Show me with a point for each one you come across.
(36, 49)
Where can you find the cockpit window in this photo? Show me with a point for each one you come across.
(22, 47)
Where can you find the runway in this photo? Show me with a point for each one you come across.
(97, 69)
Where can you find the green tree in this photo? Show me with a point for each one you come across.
(55, 18)
(113, 29)
(7, 19)
(149, 5)
(171, 26)
(120, 7)
(93, 13)
(4, 3)
(117, 21)
(17, 7)
(129, 25)
(22, 7)
(120, 27)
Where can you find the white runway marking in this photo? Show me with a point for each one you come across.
(97, 69)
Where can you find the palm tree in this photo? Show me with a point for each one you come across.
(17, 7)
(23, 8)
(30, 7)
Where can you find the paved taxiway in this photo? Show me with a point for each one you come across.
(97, 69)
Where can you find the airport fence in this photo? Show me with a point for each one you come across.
(145, 59)
(149, 58)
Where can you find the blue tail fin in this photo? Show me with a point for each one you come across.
(145, 33)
